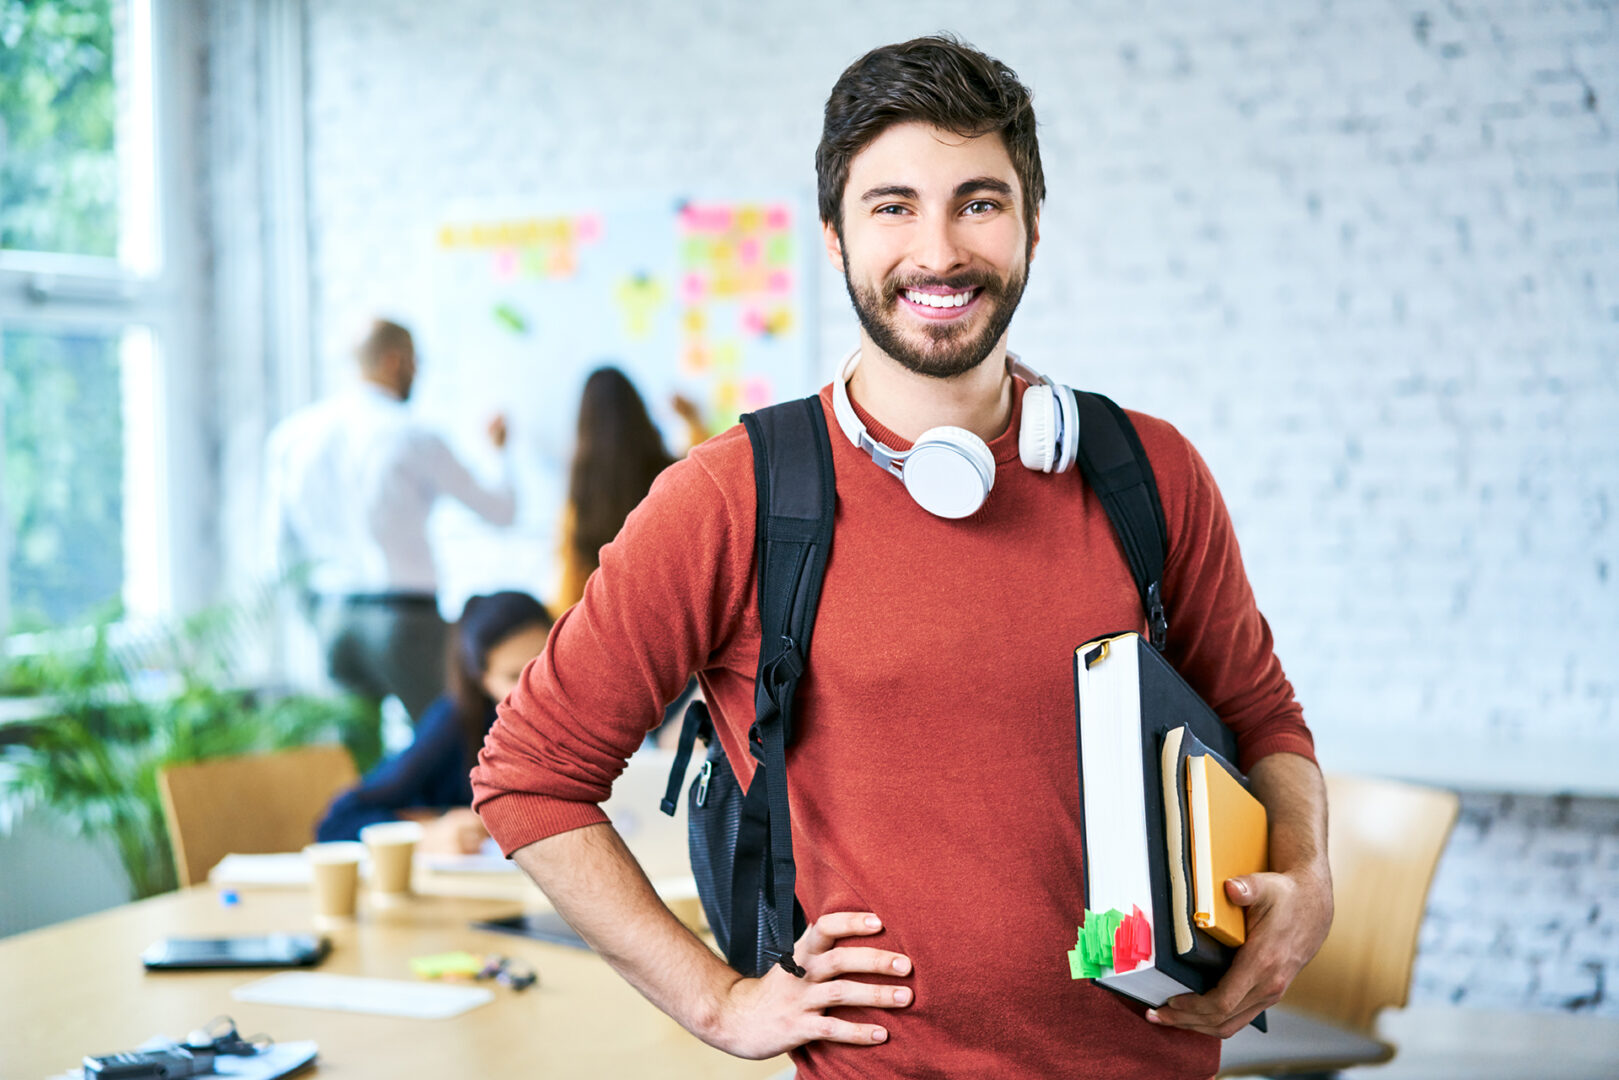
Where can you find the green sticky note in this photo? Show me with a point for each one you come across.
(1095, 944)
(1092, 954)
(440, 965)
(511, 319)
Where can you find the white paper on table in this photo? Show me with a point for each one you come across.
(282, 868)
(352, 993)
(279, 1060)
(467, 864)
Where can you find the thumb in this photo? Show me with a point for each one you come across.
(1245, 891)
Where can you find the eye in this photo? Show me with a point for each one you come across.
(891, 209)
(979, 207)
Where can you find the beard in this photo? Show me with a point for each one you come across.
(947, 349)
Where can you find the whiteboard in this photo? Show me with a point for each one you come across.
(710, 297)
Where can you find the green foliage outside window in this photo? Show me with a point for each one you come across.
(58, 118)
(63, 478)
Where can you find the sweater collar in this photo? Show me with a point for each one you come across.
(1003, 447)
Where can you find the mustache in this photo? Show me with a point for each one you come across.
(968, 279)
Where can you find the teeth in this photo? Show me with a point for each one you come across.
(936, 300)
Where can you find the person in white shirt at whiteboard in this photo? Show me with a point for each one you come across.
(352, 480)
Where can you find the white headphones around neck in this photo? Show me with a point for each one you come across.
(949, 471)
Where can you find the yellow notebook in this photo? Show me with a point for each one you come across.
(1230, 838)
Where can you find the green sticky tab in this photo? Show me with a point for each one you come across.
(510, 318)
(1095, 944)
(442, 965)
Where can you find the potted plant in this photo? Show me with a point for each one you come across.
(109, 718)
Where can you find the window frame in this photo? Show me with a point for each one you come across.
(155, 284)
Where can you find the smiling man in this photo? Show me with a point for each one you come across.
(933, 786)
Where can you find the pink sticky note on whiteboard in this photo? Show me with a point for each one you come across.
(693, 288)
(777, 217)
(708, 219)
(588, 228)
(779, 283)
(756, 393)
(505, 264)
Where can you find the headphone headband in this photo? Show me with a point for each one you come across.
(951, 470)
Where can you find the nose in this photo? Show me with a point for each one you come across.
(939, 249)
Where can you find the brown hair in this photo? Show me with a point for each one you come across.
(936, 80)
(618, 455)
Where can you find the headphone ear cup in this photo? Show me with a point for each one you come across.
(1070, 430)
(949, 472)
(1037, 434)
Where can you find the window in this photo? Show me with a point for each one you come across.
(89, 320)
(58, 105)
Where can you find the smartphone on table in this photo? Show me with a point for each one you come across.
(256, 951)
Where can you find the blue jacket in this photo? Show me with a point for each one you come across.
(431, 773)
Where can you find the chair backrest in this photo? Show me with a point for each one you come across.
(1384, 839)
(253, 804)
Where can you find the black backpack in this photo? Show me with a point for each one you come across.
(741, 842)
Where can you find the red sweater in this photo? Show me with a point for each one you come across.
(934, 779)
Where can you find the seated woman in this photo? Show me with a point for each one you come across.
(494, 640)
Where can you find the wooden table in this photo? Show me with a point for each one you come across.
(78, 987)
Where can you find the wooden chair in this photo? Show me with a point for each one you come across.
(254, 804)
(1384, 840)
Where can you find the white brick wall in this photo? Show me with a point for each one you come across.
(1525, 908)
(1364, 253)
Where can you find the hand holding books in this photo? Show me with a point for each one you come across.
(1288, 910)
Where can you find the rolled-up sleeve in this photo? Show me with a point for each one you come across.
(672, 588)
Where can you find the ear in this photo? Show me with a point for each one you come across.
(1034, 234)
(834, 247)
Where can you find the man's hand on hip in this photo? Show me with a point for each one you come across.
(759, 1018)
(1288, 918)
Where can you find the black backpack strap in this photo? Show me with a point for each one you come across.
(696, 725)
(1115, 465)
(792, 468)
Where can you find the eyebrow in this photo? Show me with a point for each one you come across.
(983, 183)
(963, 189)
(889, 191)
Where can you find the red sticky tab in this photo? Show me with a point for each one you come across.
(1132, 942)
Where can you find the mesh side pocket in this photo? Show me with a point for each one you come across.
(711, 836)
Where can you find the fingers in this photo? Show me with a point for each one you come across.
(1220, 1030)
(1240, 996)
(824, 932)
(831, 1029)
(1240, 891)
(1252, 889)
(847, 992)
(852, 960)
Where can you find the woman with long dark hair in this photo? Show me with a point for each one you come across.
(618, 454)
(495, 638)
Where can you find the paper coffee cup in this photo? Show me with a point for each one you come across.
(391, 845)
(335, 871)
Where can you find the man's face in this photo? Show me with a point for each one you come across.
(934, 247)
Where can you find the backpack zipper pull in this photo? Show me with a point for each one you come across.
(1157, 622)
(702, 783)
